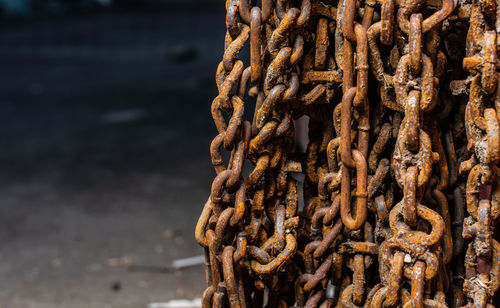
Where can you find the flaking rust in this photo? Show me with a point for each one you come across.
(401, 185)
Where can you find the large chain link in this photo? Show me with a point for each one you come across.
(362, 217)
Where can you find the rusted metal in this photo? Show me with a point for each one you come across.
(401, 188)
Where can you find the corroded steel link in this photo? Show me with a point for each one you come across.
(483, 142)
(356, 155)
(413, 159)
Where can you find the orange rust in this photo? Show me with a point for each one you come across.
(313, 59)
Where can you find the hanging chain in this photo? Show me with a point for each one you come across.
(394, 199)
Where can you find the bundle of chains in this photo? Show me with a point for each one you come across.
(394, 199)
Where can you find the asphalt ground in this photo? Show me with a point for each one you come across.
(104, 135)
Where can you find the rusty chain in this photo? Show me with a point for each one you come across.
(393, 198)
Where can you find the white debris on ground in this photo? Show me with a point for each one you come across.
(178, 303)
(187, 262)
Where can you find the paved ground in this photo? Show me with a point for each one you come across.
(104, 134)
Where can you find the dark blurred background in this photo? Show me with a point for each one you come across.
(104, 134)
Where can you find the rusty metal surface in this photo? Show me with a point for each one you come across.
(400, 190)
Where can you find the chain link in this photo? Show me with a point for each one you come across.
(393, 201)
